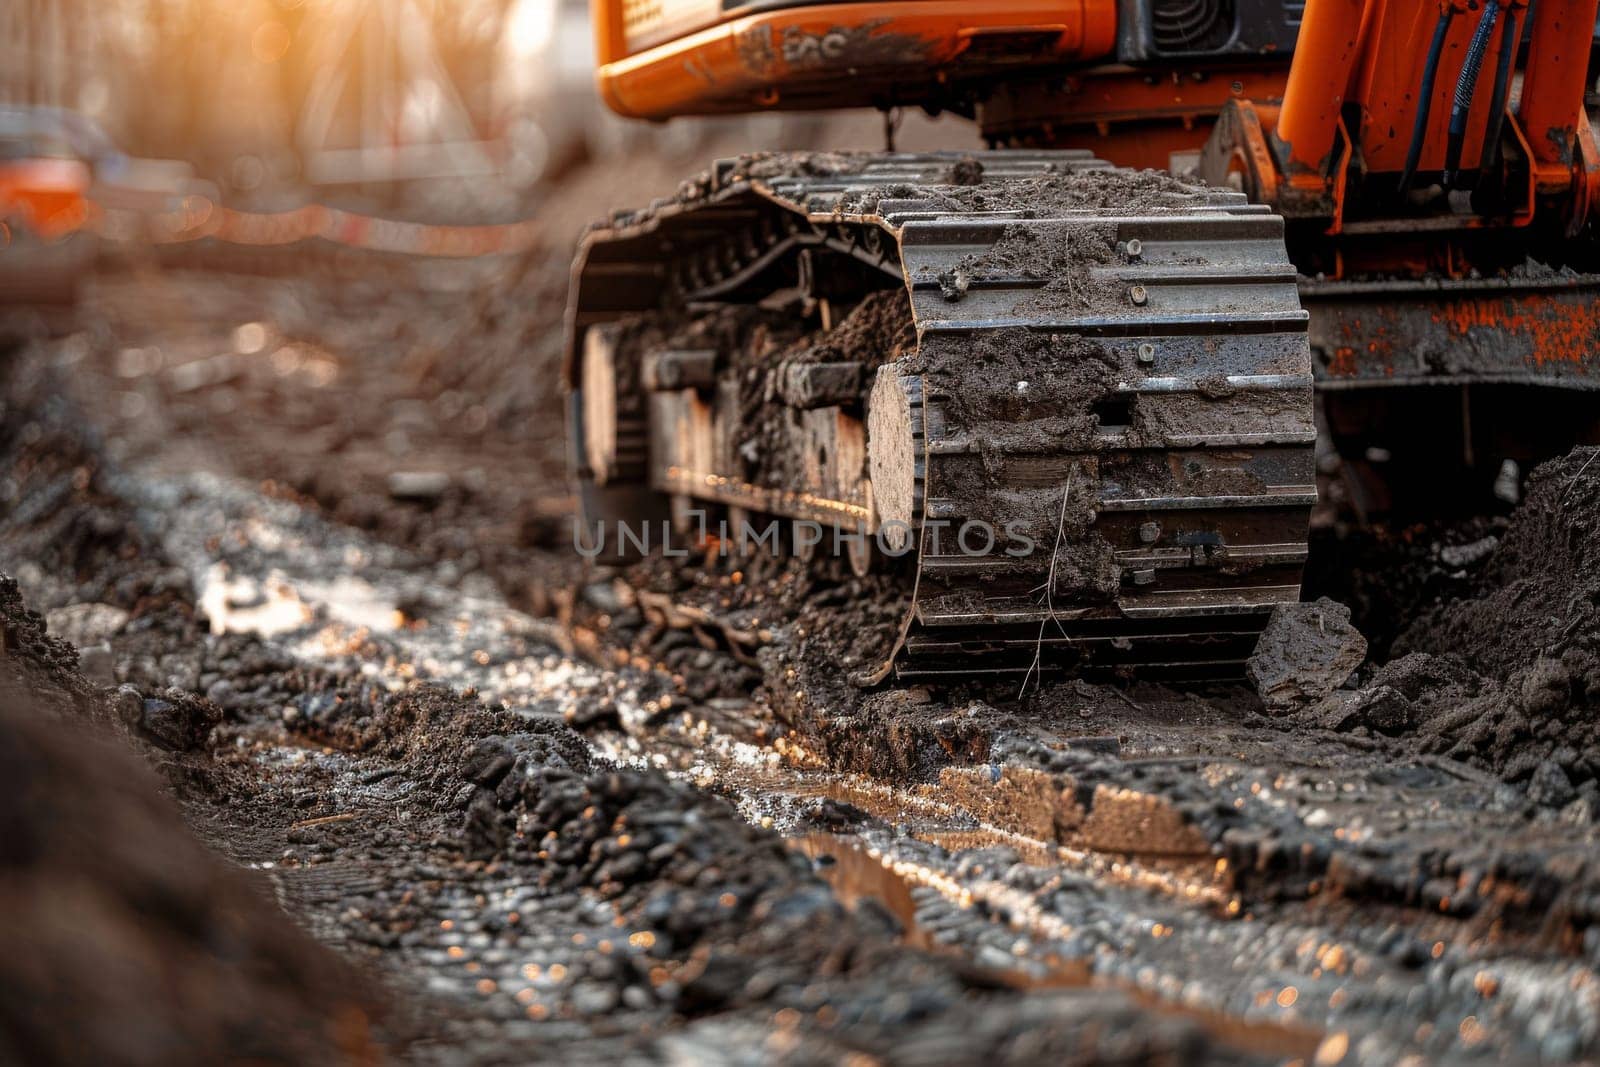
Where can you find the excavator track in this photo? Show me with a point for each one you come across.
(1100, 448)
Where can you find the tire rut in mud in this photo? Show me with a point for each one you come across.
(514, 892)
(1449, 894)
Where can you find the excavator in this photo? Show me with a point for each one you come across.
(1070, 395)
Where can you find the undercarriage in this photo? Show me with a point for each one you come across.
(1089, 432)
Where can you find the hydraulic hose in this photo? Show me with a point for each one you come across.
(1466, 86)
(1430, 71)
(1497, 102)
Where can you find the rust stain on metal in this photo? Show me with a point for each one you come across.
(1548, 334)
(1364, 345)
(1561, 332)
(1343, 363)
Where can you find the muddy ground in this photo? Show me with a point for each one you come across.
(309, 707)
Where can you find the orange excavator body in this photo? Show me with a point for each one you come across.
(834, 54)
(49, 197)
(46, 215)
(1304, 132)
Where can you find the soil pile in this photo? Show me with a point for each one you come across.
(729, 926)
(1539, 593)
(1506, 676)
(27, 650)
(59, 525)
(127, 942)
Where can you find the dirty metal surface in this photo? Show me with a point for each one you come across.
(1111, 367)
(1495, 331)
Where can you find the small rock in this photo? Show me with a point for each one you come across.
(1385, 710)
(1546, 689)
(953, 284)
(966, 171)
(1508, 483)
(128, 704)
(177, 720)
(1421, 676)
(1380, 708)
(1306, 652)
(86, 624)
(1468, 554)
(418, 485)
(1561, 1046)
(1549, 786)
(992, 958)
(1578, 813)
(1567, 758)
(835, 814)
(602, 596)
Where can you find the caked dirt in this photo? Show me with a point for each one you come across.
(513, 893)
(548, 814)
(1506, 676)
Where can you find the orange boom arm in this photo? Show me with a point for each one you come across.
(1386, 99)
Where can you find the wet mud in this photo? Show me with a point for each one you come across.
(556, 814)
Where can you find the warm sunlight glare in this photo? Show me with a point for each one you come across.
(530, 26)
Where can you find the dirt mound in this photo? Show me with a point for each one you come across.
(23, 635)
(127, 942)
(463, 751)
(37, 668)
(1388, 577)
(1539, 593)
(58, 523)
(1506, 675)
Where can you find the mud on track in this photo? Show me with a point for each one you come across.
(564, 816)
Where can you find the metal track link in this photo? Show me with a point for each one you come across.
(1113, 369)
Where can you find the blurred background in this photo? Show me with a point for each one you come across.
(326, 243)
(363, 101)
(322, 246)
(458, 110)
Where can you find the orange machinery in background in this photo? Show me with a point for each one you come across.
(45, 198)
(1435, 162)
(46, 211)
